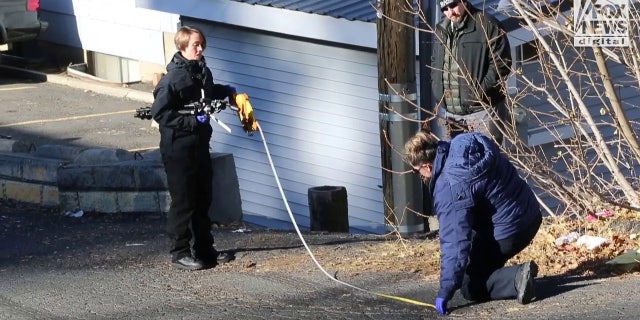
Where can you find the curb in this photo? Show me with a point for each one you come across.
(101, 88)
(97, 87)
(26, 178)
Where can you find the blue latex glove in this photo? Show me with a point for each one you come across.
(202, 118)
(441, 306)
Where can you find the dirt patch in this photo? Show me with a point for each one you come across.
(262, 250)
(347, 256)
(355, 254)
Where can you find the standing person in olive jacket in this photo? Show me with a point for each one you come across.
(470, 62)
(184, 146)
(487, 214)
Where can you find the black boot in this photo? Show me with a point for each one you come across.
(525, 282)
(188, 263)
(213, 257)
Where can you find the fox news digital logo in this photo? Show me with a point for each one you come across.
(601, 23)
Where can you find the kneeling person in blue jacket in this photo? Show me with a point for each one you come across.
(486, 212)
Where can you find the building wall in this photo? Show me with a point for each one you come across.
(316, 99)
(114, 27)
(317, 104)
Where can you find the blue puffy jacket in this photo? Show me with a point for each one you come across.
(475, 188)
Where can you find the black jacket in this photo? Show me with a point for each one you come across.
(475, 57)
(180, 86)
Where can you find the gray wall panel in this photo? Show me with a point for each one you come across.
(317, 104)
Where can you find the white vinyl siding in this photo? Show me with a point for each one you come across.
(317, 104)
(116, 27)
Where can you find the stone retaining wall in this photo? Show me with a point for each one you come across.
(105, 180)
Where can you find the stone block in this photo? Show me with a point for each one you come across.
(136, 175)
(41, 170)
(25, 167)
(50, 196)
(22, 191)
(10, 166)
(103, 155)
(164, 201)
(10, 145)
(141, 186)
(105, 202)
(69, 201)
(64, 152)
(138, 201)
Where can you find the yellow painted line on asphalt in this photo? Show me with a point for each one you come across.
(142, 149)
(17, 88)
(64, 119)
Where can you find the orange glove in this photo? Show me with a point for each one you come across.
(245, 112)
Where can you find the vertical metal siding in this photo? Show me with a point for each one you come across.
(318, 107)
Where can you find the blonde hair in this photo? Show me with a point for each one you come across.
(182, 37)
(421, 148)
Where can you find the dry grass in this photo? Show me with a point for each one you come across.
(422, 256)
(578, 260)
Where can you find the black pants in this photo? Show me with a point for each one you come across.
(486, 277)
(188, 224)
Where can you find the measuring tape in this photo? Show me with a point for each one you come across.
(295, 225)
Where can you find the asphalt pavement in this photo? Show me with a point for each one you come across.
(116, 266)
(74, 112)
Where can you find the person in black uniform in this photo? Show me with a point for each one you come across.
(184, 146)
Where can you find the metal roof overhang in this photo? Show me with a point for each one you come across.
(291, 22)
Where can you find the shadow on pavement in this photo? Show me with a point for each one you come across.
(274, 240)
(579, 277)
(548, 287)
(38, 237)
(41, 237)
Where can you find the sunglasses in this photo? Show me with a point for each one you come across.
(450, 6)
